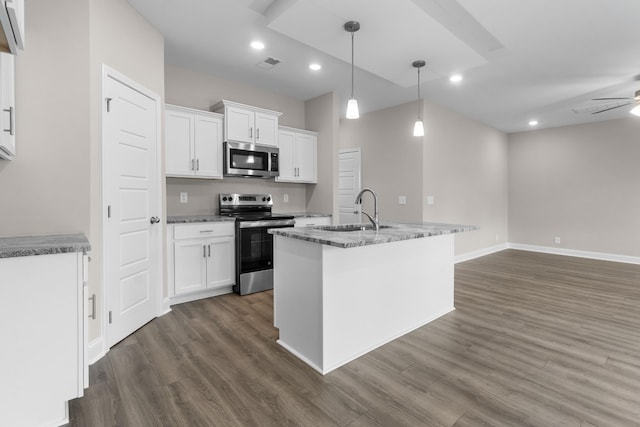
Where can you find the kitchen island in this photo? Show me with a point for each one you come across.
(342, 292)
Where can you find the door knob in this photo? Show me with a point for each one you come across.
(155, 220)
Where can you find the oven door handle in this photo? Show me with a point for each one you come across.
(270, 223)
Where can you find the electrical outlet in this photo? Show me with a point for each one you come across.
(429, 200)
(402, 200)
(497, 237)
(184, 197)
(557, 240)
(286, 198)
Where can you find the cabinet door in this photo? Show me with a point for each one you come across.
(7, 113)
(220, 262)
(306, 157)
(286, 163)
(190, 265)
(208, 146)
(266, 129)
(179, 140)
(239, 124)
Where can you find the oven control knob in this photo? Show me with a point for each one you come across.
(224, 199)
(268, 199)
(264, 199)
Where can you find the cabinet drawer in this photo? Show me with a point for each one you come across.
(207, 229)
(313, 221)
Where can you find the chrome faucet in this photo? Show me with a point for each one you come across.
(375, 221)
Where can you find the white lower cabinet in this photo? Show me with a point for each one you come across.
(7, 107)
(203, 258)
(312, 221)
(43, 326)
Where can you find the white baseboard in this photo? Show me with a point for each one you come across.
(166, 306)
(97, 350)
(480, 252)
(580, 254)
(179, 299)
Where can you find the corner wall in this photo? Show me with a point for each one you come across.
(321, 115)
(579, 183)
(465, 170)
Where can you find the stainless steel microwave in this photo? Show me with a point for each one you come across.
(250, 160)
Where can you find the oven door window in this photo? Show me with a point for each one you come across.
(249, 160)
(256, 249)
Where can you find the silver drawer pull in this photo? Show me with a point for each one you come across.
(206, 231)
(93, 307)
(10, 111)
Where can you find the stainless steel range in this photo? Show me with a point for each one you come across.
(254, 245)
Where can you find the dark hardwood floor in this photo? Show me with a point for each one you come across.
(536, 340)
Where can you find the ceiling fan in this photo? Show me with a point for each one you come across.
(632, 101)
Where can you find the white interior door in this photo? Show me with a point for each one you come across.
(348, 185)
(133, 251)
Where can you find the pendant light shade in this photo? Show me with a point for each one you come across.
(636, 110)
(418, 128)
(352, 105)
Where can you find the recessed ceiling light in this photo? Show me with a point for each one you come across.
(533, 123)
(456, 78)
(257, 45)
(315, 66)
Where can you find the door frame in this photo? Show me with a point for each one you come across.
(108, 72)
(357, 150)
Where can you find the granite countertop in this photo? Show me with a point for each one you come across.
(306, 214)
(43, 245)
(188, 219)
(391, 232)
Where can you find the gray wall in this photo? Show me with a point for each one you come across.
(579, 183)
(189, 88)
(322, 115)
(45, 189)
(391, 160)
(465, 170)
(461, 162)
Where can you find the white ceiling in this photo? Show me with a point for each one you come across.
(521, 60)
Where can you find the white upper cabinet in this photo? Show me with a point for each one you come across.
(8, 110)
(245, 123)
(12, 23)
(193, 143)
(298, 155)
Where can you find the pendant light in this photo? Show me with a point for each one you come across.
(418, 128)
(352, 105)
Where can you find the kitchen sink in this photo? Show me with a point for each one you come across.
(352, 227)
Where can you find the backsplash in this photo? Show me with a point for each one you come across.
(202, 194)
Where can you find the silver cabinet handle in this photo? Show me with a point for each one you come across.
(197, 164)
(206, 231)
(204, 251)
(154, 220)
(250, 132)
(10, 111)
(257, 133)
(209, 246)
(356, 212)
(93, 307)
(193, 164)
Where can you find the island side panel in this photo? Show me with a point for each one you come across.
(297, 298)
(374, 294)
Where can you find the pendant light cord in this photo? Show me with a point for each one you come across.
(419, 109)
(352, 91)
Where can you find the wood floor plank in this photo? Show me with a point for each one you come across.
(535, 340)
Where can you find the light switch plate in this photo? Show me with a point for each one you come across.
(286, 198)
(184, 197)
(430, 200)
(402, 200)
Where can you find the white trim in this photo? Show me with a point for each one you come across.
(576, 253)
(166, 306)
(107, 72)
(207, 293)
(96, 350)
(480, 253)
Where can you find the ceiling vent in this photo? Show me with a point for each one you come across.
(268, 63)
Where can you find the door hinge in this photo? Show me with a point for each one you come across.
(110, 317)
(108, 211)
(108, 104)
